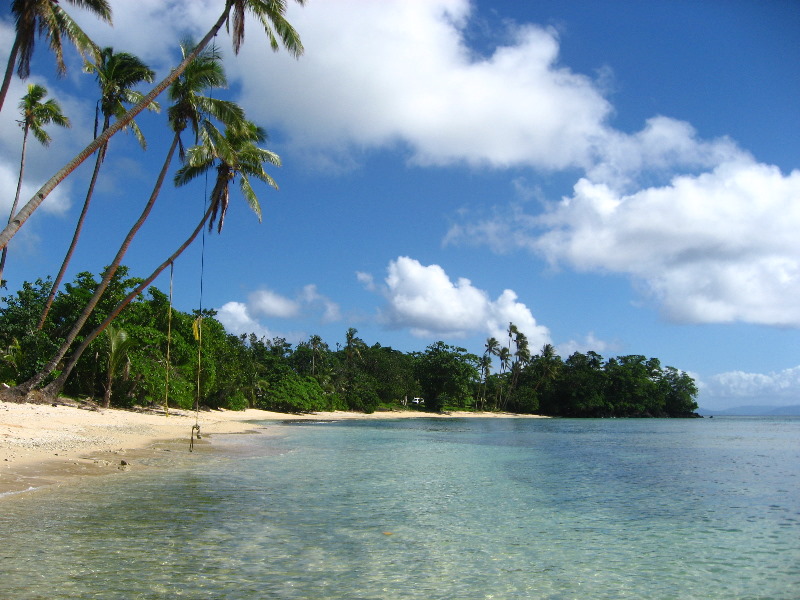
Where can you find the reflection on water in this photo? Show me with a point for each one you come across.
(464, 509)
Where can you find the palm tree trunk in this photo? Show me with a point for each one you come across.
(107, 392)
(78, 228)
(55, 387)
(27, 210)
(16, 198)
(12, 60)
(107, 275)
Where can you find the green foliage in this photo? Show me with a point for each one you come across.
(237, 372)
(294, 393)
(26, 350)
(446, 375)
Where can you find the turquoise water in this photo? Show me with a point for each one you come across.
(431, 509)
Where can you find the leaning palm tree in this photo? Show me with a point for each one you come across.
(235, 154)
(270, 13)
(35, 115)
(190, 109)
(118, 73)
(47, 18)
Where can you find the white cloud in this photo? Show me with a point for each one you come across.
(663, 146)
(245, 317)
(311, 297)
(236, 318)
(716, 247)
(425, 300)
(265, 303)
(589, 343)
(399, 71)
(737, 388)
(151, 29)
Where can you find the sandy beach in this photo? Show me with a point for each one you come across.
(43, 445)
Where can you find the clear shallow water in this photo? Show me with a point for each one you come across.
(433, 509)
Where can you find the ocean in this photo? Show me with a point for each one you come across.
(430, 509)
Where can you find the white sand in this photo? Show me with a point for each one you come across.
(44, 445)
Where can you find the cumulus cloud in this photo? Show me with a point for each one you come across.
(736, 388)
(425, 300)
(310, 296)
(715, 247)
(151, 29)
(378, 74)
(589, 343)
(265, 303)
(246, 317)
(237, 319)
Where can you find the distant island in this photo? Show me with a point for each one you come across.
(752, 411)
(154, 355)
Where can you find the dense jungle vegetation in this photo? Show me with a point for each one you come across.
(152, 348)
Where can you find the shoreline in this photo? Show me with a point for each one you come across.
(42, 445)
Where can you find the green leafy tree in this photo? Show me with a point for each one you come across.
(35, 116)
(393, 373)
(47, 18)
(680, 393)
(447, 375)
(581, 389)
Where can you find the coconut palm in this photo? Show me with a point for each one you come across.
(270, 13)
(118, 345)
(117, 73)
(189, 110)
(491, 348)
(522, 357)
(315, 343)
(548, 363)
(35, 115)
(47, 18)
(235, 155)
(504, 354)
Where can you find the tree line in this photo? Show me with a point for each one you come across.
(154, 354)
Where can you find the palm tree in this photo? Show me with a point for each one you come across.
(117, 73)
(46, 17)
(190, 109)
(548, 364)
(485, 368)
(315, 343)
(504, 354)
(35, 115)
(234, 154)
(118, 345)
(491, 348)
(270, 14)
(522, 357)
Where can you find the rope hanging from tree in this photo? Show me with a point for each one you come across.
(169, 342)
(197, 326)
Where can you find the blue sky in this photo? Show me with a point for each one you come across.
(611, 176)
